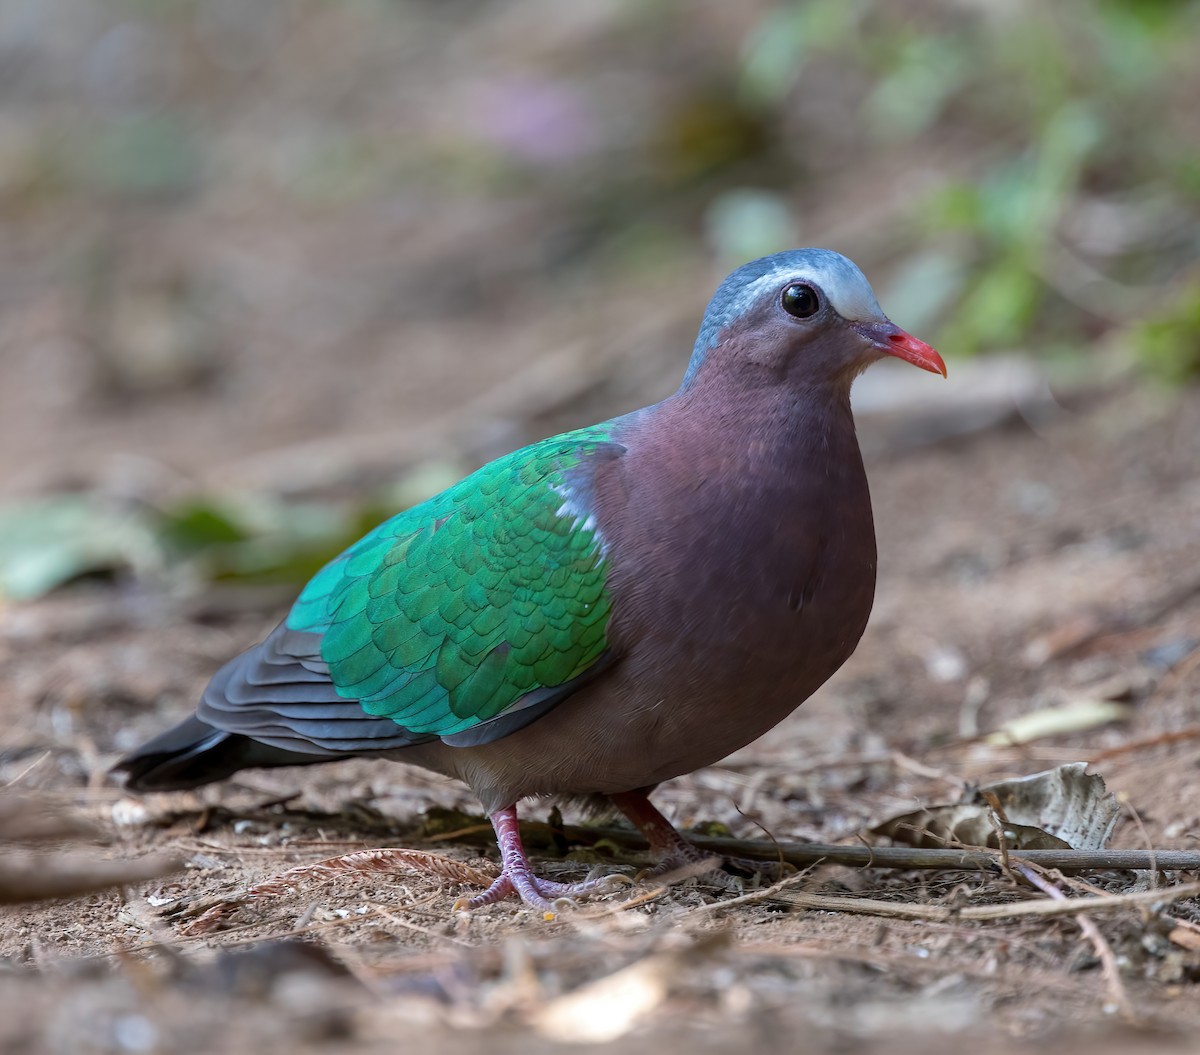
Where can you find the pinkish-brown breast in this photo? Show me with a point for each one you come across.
(742, 556)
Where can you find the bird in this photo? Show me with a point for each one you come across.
(601, 611)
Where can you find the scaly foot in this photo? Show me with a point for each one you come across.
(517, 875)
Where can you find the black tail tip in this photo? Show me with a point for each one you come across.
(185, 757)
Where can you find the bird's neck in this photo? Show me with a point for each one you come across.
(754, 427)
(756, 497)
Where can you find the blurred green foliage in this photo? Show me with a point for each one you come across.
(149, 156)
(46, 543)
(1037, 112)
(49, 542)
(1169, 344)
(244, 539)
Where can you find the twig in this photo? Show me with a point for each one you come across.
(997, 819)
(652, 893)
(37, 878)
(940, 914)
(661, 885)
(803, 854)
(1192, 732)
(1108, 962)
(26, 771)
(903, 761)
(766, 894)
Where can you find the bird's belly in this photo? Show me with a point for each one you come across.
(671, 707)
(692, 718)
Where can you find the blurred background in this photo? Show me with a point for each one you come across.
(309, 249)
(272, 269)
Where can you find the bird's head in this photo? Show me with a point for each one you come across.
(805, 315)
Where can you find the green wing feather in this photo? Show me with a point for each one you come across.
(452, 611)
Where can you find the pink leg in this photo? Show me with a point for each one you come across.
(673, 849)
(517, 876)
(665, 842)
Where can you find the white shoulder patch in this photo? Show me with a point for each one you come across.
(584, 519)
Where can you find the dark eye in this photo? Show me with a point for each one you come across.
(800, 301)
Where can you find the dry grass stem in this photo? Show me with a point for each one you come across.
(766, 894)
(938, 913)
(1108, 962)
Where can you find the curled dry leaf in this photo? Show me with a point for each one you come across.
(1062, 808)
(966, 824)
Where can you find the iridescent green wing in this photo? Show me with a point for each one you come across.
(476, 602)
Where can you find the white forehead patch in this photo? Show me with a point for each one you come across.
(838, 278)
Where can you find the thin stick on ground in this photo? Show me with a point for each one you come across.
(802, 855)
(1192, 732)
(766, 894)
(30, 878)
(941, 914)
(1108, 962)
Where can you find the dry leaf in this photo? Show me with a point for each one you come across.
(610, 1007)
(965, 825)
(1076, 717)
(1064, 808)
(1185, 938)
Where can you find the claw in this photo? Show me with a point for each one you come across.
(517, 876)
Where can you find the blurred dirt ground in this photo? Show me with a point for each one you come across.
(307, 250)
(1021, 569)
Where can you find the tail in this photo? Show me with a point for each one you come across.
(195, 753)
